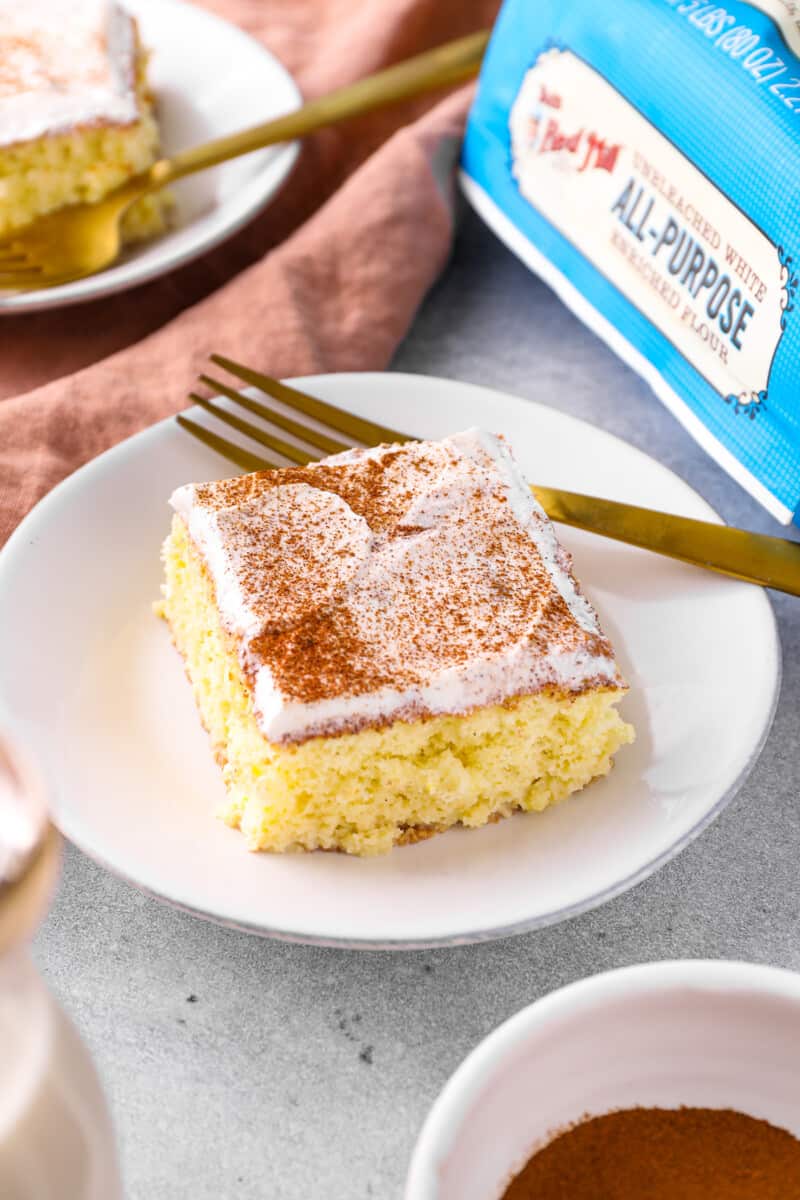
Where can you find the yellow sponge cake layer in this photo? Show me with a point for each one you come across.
(364, 792)
(80, 166)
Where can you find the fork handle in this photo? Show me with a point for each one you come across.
(755, 557)
(448, 64)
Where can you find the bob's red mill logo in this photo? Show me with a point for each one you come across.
(591, 150)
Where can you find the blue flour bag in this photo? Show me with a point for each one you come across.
(643, 157)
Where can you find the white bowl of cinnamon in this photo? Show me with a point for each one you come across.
(676, 1079)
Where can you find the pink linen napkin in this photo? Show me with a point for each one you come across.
(338, 294)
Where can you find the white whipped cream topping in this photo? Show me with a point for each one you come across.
(227, 536)
(477, 446)
(64, 63)
(443, 538)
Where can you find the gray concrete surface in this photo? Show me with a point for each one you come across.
(239, 1068)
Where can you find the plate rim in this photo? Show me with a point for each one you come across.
(26, 530)
(132, 276)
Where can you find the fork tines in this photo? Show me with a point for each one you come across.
(352, 428)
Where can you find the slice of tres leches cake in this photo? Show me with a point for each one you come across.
(76, 113)
(387, 643)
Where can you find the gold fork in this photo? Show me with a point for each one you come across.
(754, 557)
(85, 238)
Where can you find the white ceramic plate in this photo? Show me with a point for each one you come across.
(210, 79)
(92, 675)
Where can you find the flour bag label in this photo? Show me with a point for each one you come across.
(643, 157)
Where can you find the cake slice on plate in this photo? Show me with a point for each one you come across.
(76, 114)
(387, 643)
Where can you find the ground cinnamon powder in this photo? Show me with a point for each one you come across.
(664, 1154)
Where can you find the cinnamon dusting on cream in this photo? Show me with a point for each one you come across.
(391, 584)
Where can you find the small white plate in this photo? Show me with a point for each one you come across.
(209, 79)
(101, 694)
